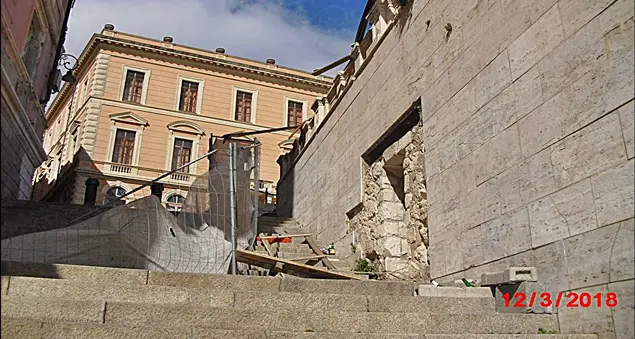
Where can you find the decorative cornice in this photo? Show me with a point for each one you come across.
(129, 117)
(190, 127)
(100, 41)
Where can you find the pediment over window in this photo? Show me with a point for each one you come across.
(186, 127)
(129, 117)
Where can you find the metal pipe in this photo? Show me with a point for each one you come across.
(232, 200)
(331, 65)
(268, 130)
(254, 220)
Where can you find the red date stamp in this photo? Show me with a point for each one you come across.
(565, 299)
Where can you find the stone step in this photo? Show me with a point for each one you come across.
(235, 283)
(76, 290)
(456, 292)
(138, 314)
(31, 329)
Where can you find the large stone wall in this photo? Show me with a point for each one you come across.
(528, 125)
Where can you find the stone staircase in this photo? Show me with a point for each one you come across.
(65, 301)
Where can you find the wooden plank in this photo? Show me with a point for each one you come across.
(315, 248)
(287, 266)
(310, 257)
(266, 245)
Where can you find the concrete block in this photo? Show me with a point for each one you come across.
(506, 235)
(520, 294)
(334, 335)
(97, 331)
(187, 316)
(575, 204)
(284, 300)
(627, 115)
(12, 328)
(588, 256)
(587, 319)
(595, 148)
(491, 279)
(515, 274)
(215, 281)
(75, 272)
(347, 287)
(536, 42)
(624, 312)
(490, 323)
(367, 322)
(77, 290)
(622, 262)
(613, 192)
(16, 307)
(425, 305)
(478, 292)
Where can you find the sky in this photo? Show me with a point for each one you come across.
(303, 34)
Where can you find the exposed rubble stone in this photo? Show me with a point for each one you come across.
(396, 230)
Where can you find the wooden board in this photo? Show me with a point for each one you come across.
(287, 266)
(316, 249)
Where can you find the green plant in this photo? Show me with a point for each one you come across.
(543, 331)
(362, 265)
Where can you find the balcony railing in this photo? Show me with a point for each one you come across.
(121, 168)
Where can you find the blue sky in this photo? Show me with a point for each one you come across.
(304, 34)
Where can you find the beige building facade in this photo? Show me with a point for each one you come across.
(142, 107)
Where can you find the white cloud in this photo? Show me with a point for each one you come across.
(256, 29)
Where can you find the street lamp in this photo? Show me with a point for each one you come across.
(70, 63)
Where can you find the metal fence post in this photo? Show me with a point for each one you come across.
(232, 198)
(254, 219)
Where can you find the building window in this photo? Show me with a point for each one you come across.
(175, 203)
(133, 86)
(243, 104)
(124, 147)
(189, 96)
(181, 153)
(113, 194)
(295, 113)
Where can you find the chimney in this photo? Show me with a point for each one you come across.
(271, 61)
(220, 50)
(108, 30)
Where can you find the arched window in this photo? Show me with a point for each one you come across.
(114, 193)
(175, 203)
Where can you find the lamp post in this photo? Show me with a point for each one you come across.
(70, 63)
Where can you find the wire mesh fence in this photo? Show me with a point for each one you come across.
(218, 216)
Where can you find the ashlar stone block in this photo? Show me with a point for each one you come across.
(506, 235)
(627, 115)
(588, 256)
(547, 223)
(624, 312)
(535, 42)
(575, 204)
(596, 147)
(622, 262)
(613, 192)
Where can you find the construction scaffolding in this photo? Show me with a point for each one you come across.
(218, 217)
